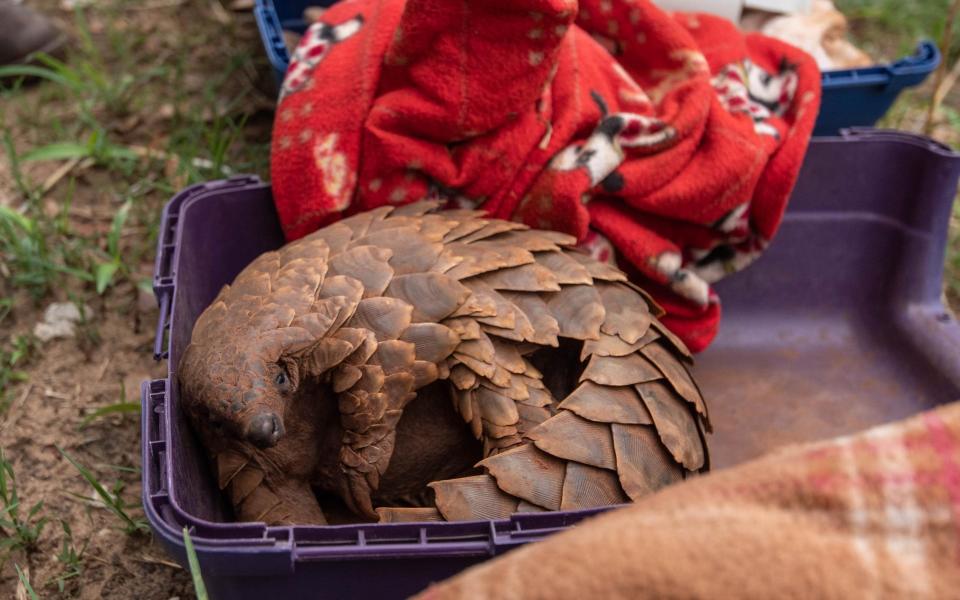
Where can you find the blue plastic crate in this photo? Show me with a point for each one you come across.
(851, 98)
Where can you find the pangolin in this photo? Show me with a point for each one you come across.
(415, 364)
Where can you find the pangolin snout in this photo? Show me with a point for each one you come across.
(265, 430)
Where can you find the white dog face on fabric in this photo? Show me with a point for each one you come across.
(774, 91)
(603, 151)
(316, 44)
(749, 89)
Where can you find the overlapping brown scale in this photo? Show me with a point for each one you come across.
(399, 389)
(290, 339)
(327, 317)
(677, 375)
(345, 377)
(627, 314)
(538, 397)
(472, 499)
(599, 271)
(529, 474)
(496, 408)
(675, 342)
(508, 355)
(504, 333)
(612, 345)
(530, 417)
(525, 278)
(360, 222)
(588, 487)
(493, 446)
(465, 328)
(463, 377)
(369, 412)
(675, 423)
(325, 355)
(366, 348)
(229, 463)
(477, 366)
(342, 285)
(535, 240)
(477, 305)
(483, 257)
(607, 404)
(446, 261)
(432, 342)
(492, 228)
(416, 209)
(501, 377)
(371, 379)
(299, 279)
(314, 248)
(409, 515)
(394, 356)
(412, 253)
(244, 483)
(424, 373)
(211, 322)
(481, 349)
(354, 337)
(367, 264)
(433, 296)
(620, 371)
(504, 314)
(259, 503)
(435, 227)
(567, 270)
(534, 309)
(254, 283)
(525, 507)
(643, 463)
(465, 214)
(387, 318)
(516, 390)
(394, 222)
(464, 228)
(578, 311)
(571, 437)
(336, 236)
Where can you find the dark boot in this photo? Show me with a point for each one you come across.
(24, 33)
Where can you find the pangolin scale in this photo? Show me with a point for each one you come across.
(380, 358)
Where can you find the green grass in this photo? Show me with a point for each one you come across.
(198, 586)
(112, 499)
(26, 583)
(70, 559)
(888, 27)
(14, 357)
(118, 408)
(21, 527)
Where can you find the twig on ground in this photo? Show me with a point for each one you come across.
(64, 170)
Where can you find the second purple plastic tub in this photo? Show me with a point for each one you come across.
(838, 327)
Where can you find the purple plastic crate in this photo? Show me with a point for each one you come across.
(839, 326)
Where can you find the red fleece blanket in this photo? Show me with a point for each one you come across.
(669, 143)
